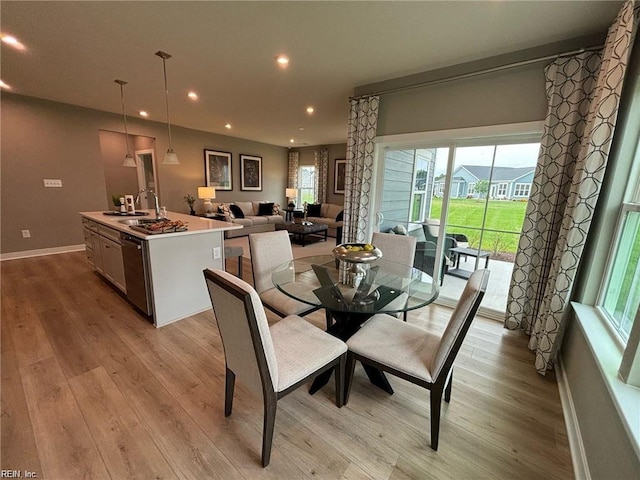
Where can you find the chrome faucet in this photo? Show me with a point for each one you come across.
(155, 197)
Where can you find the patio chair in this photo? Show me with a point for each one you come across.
(269, 361)
(413, 354)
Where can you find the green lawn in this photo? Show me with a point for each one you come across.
(466, 216)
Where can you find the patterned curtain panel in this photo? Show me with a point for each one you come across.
(292, 177)
(584, 94)
(321, 163)
(363, 122)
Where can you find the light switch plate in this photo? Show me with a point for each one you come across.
(51, 182)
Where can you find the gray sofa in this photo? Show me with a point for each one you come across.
(251, 221)
(331, 215)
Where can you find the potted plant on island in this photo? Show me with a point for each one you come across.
(190, 199)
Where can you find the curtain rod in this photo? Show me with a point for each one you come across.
(478, 72)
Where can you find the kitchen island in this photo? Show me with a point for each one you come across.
(173, 262)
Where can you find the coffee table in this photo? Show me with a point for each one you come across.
(300, 231)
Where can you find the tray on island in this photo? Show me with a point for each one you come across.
(160, 227)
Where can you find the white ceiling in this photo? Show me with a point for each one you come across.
(225, 51)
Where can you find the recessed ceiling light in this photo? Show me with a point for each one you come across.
(310, 110)
(227, 126)
(13, 41)
(192, 95)
(291, 140)
(4, 85)
(283, 61)
(301, 129)
(143, 113)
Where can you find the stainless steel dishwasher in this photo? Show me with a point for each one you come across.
(136, 272)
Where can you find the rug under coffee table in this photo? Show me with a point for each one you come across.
(300, 231)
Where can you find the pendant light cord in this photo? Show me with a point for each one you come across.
(124, 116)
(166, 97)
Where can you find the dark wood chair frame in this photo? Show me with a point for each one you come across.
(442, 384)
(269, 395)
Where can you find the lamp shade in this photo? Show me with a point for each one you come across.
(291, 192)
(129, 161)
(206, 193)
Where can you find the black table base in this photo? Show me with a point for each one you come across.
(346, 324)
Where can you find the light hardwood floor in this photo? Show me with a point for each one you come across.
(90, 389)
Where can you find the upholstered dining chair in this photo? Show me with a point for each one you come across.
(413, 354)
(396, 248)
(270, 361)
(268, 250)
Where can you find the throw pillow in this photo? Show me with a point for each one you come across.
(276, 209)
(236, 211)
(224, 210)
(313, 210)
(265, 209)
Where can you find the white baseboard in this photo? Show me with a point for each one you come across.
(576, 447)
(42, 251)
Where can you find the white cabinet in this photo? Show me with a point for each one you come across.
(104, 251)
(112, 265)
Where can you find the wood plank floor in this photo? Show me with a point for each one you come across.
(90, 389)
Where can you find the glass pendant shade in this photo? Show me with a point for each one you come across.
(129, 161)
(170, 157)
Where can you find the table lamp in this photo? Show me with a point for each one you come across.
(292, 194)
(207, 194)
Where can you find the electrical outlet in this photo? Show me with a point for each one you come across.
(216, 253)
(26, 233)
(52, 182)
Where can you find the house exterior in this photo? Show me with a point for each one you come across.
(507, 183)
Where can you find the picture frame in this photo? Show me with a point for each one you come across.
(339, 176)
(250, 173)
(217, 169)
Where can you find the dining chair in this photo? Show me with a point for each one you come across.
(413, 354)
(269, 361)
(268, 250)
(396, 248)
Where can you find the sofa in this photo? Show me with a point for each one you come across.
(255, 216)
(328, 213)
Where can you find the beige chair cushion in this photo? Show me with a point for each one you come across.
(283, 303)
(398, 344)
(268, 250)
(301, 349)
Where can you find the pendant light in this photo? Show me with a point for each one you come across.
(170, 157)
(129, 161)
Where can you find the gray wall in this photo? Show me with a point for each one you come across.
(512, 96)
(43, 139)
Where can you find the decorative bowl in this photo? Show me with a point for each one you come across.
(341, 252)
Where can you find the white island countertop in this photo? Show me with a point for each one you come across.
(195, 225)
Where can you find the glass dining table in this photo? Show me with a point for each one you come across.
(379, 287)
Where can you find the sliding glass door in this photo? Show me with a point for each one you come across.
(465, 202)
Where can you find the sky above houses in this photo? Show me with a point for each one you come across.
(516, 155)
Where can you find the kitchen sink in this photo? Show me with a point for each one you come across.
(140, 221)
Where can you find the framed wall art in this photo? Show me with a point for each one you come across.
(250, 173)
(339, 172)
(217, 169)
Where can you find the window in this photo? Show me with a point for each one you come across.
(306, 184)
(471, 189)
(622, 291)
(522, 190)
(501, 191)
